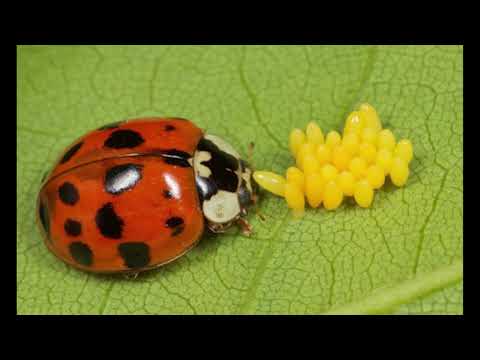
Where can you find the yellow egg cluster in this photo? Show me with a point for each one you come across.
(330, 167)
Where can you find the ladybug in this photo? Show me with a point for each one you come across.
(135, 195)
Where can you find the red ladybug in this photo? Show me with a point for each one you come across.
(135, 195)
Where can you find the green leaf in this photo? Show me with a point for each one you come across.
(403, 255)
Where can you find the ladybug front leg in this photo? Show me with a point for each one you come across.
(255, 204)
(245, 226)
(131, 275)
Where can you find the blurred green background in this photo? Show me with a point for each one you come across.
(403, 255)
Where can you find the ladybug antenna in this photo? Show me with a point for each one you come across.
(251, 146)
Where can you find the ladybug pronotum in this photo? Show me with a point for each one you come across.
(135, 195)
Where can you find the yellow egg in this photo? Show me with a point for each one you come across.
(368, 152)
(384, 160)
(314, 133)
(304, 149)
(375, 176)
(314, 185)
(310, 164)
(328, 172)
(295, 198)
(386, 140)
(340, 157)
(270, 181)
(333, 139)
(346, 182)
(369, 135)
(371, 117)
(358, 167)
(324, 154)
(351, 143)
(363, 193)
(296, 139)
(404, 150)
(399, 172)
(354, 123)
(295, 175)
(332, 195)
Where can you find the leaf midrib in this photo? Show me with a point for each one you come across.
(385, 300)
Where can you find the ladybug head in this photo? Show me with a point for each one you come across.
(223, 182)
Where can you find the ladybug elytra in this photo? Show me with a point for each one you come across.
(135, 195)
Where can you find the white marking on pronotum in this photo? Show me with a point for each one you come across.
(229, 149)
(222, 207)
(223, 145)
(201, 169)
(247, 176)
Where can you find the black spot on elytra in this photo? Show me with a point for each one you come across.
(112, 125)
(122, 177)
(72, 227)
(121, 139)
(167, 194)
(81, 253)
(72, 151)
(222, 165)
(169, 127)
(134, 254)
(176, 223)
(44, 218)
(174, 157)
(108, 222)
(68, 193)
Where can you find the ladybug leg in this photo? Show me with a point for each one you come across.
(216, 229)
(245, 226)
(254, 199)
(131, 276)
(254, 203)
